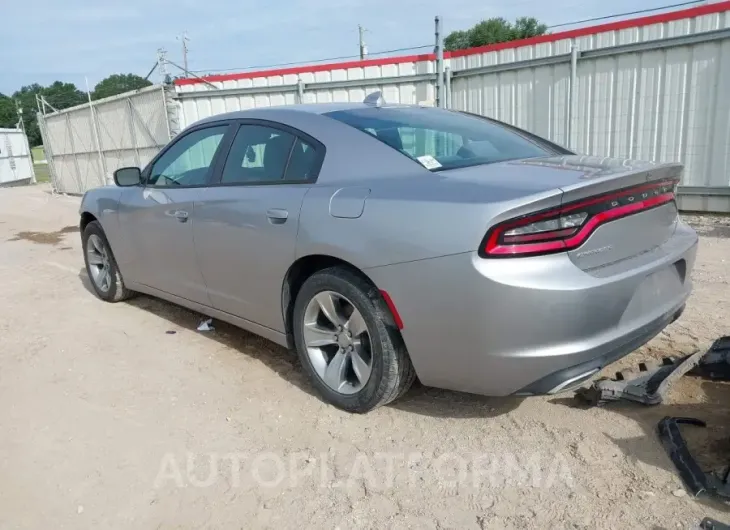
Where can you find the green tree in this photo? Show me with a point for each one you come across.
(8, 114)
(493, 31)
(64, 95)
(60, 95)
(457, 40)
(118, 84)
(526, 27)
(26, 98)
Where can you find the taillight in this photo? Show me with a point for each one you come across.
(569, 225)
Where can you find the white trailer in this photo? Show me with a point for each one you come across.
(16, 163)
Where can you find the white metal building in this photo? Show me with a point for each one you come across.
(16, 163)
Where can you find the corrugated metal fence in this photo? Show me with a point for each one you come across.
(655, 92)
(649, 88)
(86, 144)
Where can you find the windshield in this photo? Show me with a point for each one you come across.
(441, 139)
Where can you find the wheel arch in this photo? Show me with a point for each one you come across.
(302, 269)
(86, 218)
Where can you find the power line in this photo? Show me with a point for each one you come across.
(343, 57)
(188, 72)
(261, 67)
(627, 14)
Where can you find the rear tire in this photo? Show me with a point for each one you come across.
(391, 371)
(101, 266)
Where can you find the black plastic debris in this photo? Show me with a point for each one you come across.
(648, 388)
(711, 524)
(697, 481)
(650, 385)
(715, 364)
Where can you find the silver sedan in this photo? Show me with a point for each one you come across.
(388, 242)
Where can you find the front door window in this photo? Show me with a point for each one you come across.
(187, 162)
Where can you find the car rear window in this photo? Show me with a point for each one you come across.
(441, 139)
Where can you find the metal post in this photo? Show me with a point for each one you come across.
(162, 64)
(172, 114)
(132, 132)
(363, 46)
(47, 149)
(21, 125)
(300, 90)
(47, 144)
(69, 131)
(184, 39)
(439, 51)
(97, 136)
(19, 112)
(572, 89)
(447, 80)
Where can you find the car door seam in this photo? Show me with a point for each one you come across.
(191, 220)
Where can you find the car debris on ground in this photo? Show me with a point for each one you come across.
(650, 388)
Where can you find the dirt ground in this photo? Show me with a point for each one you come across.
(107, 419)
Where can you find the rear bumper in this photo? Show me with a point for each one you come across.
(572, 377)
(533, 325)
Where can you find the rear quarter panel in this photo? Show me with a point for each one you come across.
(409, 218)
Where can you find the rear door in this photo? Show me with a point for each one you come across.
(246, 226)
(157, 217)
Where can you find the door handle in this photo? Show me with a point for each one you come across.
(181, 215)
(277, 216)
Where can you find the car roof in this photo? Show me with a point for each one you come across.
(312, 108)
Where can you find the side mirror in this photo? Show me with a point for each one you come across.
(128, 176)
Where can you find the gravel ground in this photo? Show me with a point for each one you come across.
(110, 420)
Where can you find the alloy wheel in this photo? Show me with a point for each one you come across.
(99, 264)
(338, 342)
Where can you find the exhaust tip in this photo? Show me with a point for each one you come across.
(573, 382)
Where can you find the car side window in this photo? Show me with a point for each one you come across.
(187, 162)
(302, 163)
(258, 154)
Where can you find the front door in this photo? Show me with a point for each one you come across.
(245, 227)
(157, 218)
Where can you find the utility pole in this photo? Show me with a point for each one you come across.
(19, 111)
(439, 52)
(363, 47)
(184, 40)
(162, 64)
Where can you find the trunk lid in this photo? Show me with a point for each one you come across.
(628, 236)
(582, 177)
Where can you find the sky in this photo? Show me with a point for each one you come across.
(71, 40)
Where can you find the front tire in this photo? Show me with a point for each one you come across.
(101, 265)
(348, 343)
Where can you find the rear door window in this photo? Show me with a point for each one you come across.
(258, 154)
(262, 154)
